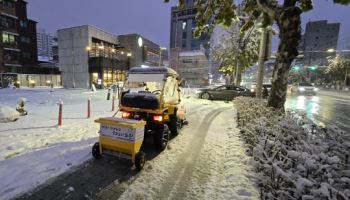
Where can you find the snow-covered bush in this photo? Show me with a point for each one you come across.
(294, 158)
(8, 114)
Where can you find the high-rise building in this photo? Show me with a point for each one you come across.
(182, 27)
(183, 42)
(318, 39)
(45, 43)
(18, 48)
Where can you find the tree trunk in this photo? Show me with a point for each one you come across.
(238, 73)
(232, 77)
(346, 76)
(288, 21)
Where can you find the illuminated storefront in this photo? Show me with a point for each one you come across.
(107, 63)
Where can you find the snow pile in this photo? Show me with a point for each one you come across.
(8, 114)
(34, 149)
(294, 158)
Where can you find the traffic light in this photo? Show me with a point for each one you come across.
(313, 68)
(296, 68)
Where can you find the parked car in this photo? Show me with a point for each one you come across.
(306, 88)
(225, 92)
(265, 85)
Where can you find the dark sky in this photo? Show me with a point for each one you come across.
(150, 18)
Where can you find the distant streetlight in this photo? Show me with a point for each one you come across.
(331, 50)
(129, 54)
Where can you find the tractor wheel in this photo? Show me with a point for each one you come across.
(174, 125)
(140, 160)
(161, 137)
(96, 151)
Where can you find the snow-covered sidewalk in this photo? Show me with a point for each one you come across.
(33, 149)
(206, 161)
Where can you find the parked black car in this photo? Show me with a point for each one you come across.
(265, 85)
(225, 92)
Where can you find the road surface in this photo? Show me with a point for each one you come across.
(327, 108)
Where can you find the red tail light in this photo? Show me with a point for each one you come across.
(158, 118)
(125, 114)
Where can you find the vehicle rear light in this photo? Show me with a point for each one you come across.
(158, 118)
(125, 114)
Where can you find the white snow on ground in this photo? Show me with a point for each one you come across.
(215, 168)
(8, 114)
(34, 149)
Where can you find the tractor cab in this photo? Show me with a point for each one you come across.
(152, 94)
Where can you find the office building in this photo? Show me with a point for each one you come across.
(144, 51)
(318, 38)
(193, 68)
(88, 55)
(182, 28)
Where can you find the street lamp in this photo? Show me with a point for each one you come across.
(331, 50)
(128, 55)
(160, 54)
(99, 80)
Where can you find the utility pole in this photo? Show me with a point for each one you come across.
(262, 58)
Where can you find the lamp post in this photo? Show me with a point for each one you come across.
(160, 54)
(100, 74)
(128, 55)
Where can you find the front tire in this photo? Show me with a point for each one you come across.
(96, 151)
(140, 160)
(174, 124)
(161, 137)
(205, 96)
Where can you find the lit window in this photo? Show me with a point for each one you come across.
(184, 24)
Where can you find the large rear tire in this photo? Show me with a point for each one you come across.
(174, 125)
(161, 137)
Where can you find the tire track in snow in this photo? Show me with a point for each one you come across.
(178, 178)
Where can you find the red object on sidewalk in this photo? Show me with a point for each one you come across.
(88, 109)
(60, 107)
(113, 103)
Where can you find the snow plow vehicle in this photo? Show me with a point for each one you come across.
(152, 94)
